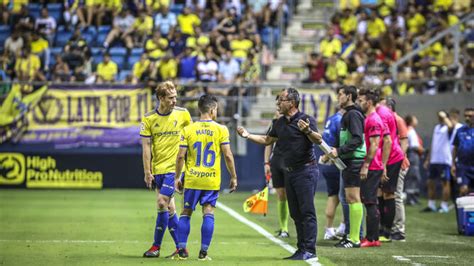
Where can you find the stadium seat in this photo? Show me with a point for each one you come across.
(3, 38)
(34, 9)
(123, 74)
(57, 15)
(132, 60)
(118, 51)
(101, 36)
(89, 37)
(62, 37)
(119, 60)
(96, 50)
(55, 50)
(55, 6)
(177, 8)
(104, 29)
(97, 58)
(5, 28)
(137, 51)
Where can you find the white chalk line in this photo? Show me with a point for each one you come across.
(405, 258)
(262, 231)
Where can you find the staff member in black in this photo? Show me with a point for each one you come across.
(296, 132)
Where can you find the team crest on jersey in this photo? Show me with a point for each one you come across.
(156, 125)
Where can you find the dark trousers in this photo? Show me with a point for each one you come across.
(300, 187)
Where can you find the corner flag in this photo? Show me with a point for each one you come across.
(257, 203)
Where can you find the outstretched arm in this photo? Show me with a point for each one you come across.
(259, 139)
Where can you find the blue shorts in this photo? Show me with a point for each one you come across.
(440, 171)
(165, 183)
(332, 175)
(193, 196)
(466, 173)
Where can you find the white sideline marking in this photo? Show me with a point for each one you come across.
(65, 241)
(262, 231)
(406, 258)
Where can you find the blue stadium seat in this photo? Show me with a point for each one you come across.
(123, 74)
(119, 51)
(137, 51)
(132, 60)
(104, 29)
(97, 58)
(5, 28)
(55, 50)
(55, 6)
(177, 8)
(89, 37)
(3, 38)
(62, 37)
(119, 60)
(96, 51)
(57, 15)
(101, 36)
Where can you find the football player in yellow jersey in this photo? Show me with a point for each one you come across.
(160, 131)
(200, 148)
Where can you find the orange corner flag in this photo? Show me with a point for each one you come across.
(257, 203)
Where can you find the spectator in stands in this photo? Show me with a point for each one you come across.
(28, 66)
(110, 9)
(415, 20)
(46, 25)
(122, 28)
(250, 69)
(198, 41)
(348, 22)
(23, 21)
(187, 66)
(375, 27)
(329, 45)
(165, 22)
(207, 69)
(395, 23)
(240, 46)
(229, 69)
(94, 10)
(196, 6)
(76, 52)
(249, 25)
(156, 47)
(177, 44)
(187, 21)
(228, 25)
(336, 70)
(60, 71)
(167, 68)
(4, 13)
(106, 70)
(362, 22)
(209, 21)
(74, 13)
(79, 74)
(141, 28)
(40, 47)
(13, 44)
(141, 69)
(316, 69)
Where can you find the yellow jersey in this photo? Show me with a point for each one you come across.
(164, 131)
(107, 71)
(203, 141)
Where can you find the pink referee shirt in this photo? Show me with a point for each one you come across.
(374, 127)
(388, 118)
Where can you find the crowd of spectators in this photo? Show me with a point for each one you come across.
(365, 38)
(136, 41)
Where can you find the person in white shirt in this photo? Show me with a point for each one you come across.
(439, 161)
(207, 69)
(14, 44)
(121, 25)
(166, 22)
(228, 68)
(414, 152)
(46, 25)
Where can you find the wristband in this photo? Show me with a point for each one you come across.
(266, 163)
(309, 132)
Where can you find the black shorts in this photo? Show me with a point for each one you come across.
(393, 171)
(351, 174)
(277, 168)
(369, 186)
(332, 176)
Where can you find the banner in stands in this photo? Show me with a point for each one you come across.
(318, 103)
(88, 116)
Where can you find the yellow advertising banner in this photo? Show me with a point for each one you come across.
(318, 103)
(90, 107)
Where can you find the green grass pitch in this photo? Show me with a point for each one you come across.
(114, 227)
